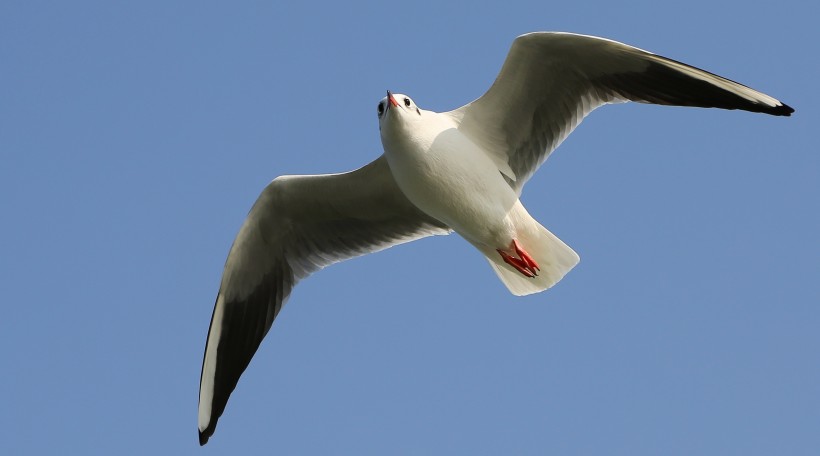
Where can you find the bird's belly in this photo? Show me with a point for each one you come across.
(455, 182)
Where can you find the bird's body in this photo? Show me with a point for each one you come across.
(461, 171)
(445, 173)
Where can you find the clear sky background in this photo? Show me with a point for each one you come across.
(135, 136)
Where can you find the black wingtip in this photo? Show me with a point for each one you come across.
(205, 435)
(781, 110)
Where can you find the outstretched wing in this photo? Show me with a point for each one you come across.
(551, 81)
(298, 225)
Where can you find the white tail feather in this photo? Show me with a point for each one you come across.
(553, 256)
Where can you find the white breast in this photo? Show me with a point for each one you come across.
(450, 178)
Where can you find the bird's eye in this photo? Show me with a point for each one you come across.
(407, 102)
(380, 108)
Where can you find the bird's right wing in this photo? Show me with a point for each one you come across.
(298, 225)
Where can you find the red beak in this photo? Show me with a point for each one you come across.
(391, 99)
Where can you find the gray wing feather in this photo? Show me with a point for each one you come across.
(551, 81)
(298, 225)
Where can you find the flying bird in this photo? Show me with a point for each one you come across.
(461, 171)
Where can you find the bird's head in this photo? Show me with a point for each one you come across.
(397, 108)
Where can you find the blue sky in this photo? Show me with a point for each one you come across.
(136, 135)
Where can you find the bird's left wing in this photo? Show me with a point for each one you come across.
(550, 81)
(298, 225)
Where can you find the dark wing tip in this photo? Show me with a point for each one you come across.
(781, 110)
(206, 434)
(243, 324)
(665, 82)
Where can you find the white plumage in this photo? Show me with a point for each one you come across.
(461, 170)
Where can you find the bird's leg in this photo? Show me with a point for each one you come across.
(518, 264)
(524, 264)
(531, 264)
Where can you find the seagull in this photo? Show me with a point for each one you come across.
(461, 171)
